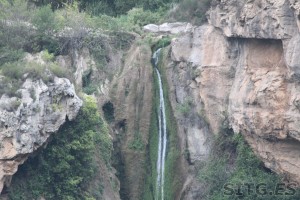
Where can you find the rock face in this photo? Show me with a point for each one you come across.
(272, 19)
(131, 95)
(242, 72)
(27, 122)
(167, 28)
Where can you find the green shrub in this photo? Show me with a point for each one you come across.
(14, 29)
(233, 161)
(137, 143)
(163, 42)
(15, 104)
(9, 54)
(141, 17)
(35, 70)
(89, 89)
(185, 107)
(46, 56)
(44, 20)
(57, 70)
(13, 70)
(66, 167)
(191, 11)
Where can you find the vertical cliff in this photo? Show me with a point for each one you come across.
(240, 72)
(29, 120)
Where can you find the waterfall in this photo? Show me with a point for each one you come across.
(162, 133)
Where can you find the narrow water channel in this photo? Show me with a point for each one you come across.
(162, 139)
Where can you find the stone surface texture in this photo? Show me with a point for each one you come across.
(27, 122)
(241, 71)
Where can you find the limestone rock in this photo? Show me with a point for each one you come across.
(213, 58)
(27, 122)
(273, 19)
(172, 28)
(131, 95)
(242, 72)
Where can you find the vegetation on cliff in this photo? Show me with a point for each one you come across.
(66, 168)
(171, 177)
(233, 171)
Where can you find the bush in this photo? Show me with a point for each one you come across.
(66, 167)
(57, 70)
(233, 161)
(13, 70)
(15, 31)
(141, 17)
(185, 107)
(137, 143)
(163, 42)
(44, 21)
(191, 11)
(46, 56)
(9, 54)
(35, 70)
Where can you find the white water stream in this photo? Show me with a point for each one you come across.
(162, 134)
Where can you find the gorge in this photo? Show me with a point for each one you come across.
(137, 106)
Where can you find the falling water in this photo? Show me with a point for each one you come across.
(162, 140)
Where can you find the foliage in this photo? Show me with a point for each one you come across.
(232, 161)
(57, 70)
(171, 175)
(64, 169)
(142, 17)
(44, 21)
(191, 11)
(46, 56)
(107, 7)
(87, 86)
(185, 107)
(14, 31)
(12, 70)
(137, 143)
(163, 42)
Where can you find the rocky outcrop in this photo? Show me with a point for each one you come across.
(241, 72)
(273, 19)
(262, 105)
(169, 28)
(263, 98)
(28, 121)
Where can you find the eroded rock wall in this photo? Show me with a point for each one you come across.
(272, 19)
(27, 122)
(131, 94)
(240, 71)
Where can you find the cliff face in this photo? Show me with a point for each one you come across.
(131, 95)
(241, 71)
(262, 101)
(27, 122)
(269, 19)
